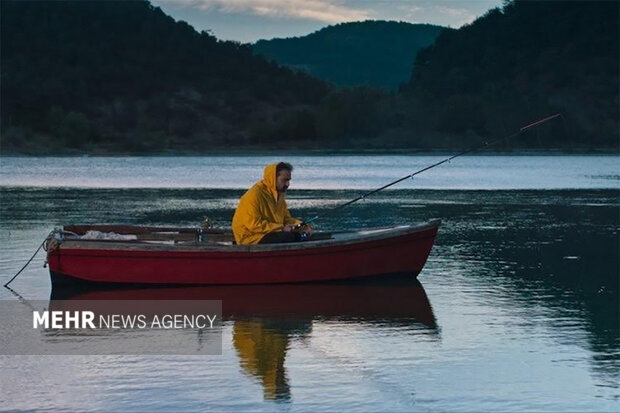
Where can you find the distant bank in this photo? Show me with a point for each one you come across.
(314, 152)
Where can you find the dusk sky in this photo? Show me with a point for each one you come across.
(251, 20)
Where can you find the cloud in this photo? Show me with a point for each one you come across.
(408, 11)
(319, 10)
(456, 15)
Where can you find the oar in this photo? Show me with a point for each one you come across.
(471, 150)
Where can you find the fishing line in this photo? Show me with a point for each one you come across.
(471, 150)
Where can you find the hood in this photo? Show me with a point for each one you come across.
(269, 179)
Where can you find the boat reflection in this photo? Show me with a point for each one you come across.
(267, 318)
(392, 301)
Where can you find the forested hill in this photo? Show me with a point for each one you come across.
(526, 59)
(123, 76)
(374, 53)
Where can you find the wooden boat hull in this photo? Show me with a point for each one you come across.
(401, 250)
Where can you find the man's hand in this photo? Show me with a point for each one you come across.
(294, 228)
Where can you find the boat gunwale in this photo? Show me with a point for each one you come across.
(378, 234)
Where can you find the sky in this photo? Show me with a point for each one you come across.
(247, 21)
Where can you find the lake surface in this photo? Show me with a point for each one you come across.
(516, 309)
(316, 172)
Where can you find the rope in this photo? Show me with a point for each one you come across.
(24, 267)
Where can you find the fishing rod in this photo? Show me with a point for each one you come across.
(471, 150)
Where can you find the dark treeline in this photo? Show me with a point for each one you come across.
(122, 77)
(520, 62)
(370, 53)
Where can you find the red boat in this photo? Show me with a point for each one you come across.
(189, 256)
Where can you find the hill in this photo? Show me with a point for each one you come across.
(523, 61)
(372, 53)
(123, 77)
(117, 76)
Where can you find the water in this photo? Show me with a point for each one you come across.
(316, 172)
(517, 308)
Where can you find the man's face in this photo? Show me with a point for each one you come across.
(283, 180)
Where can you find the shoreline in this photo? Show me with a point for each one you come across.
(316, 152)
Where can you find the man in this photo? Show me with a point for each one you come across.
(262, 216)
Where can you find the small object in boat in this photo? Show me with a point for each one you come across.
(107, 236)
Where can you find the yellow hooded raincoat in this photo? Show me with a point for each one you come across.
(261, 211)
